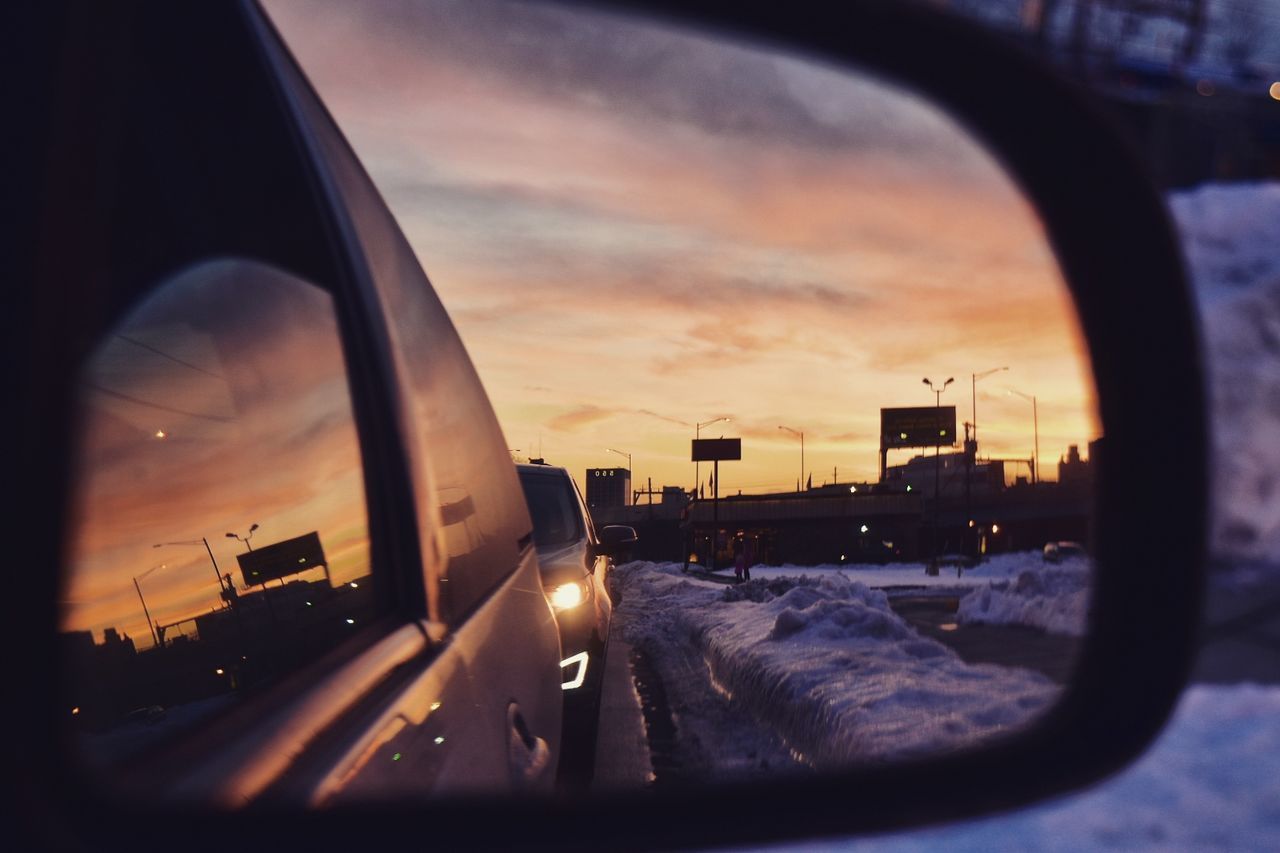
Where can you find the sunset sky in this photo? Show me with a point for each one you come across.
(220, 402)
(636, 229)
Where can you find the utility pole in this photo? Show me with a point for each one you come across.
(146, 612)
(1035, 422)
(937, 467)
(217, 573)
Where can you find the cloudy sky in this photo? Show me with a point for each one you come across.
(636, 229)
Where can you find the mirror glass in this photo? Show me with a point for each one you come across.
(648, 238)
(220, 537)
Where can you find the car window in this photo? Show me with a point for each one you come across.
(219, 535)
(556, 520)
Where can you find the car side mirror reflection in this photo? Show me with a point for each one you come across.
(829, 581)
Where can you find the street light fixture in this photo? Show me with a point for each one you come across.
(973, 393)
(628, 455)
(801, 434)
(1035, 421)
(971, 458)
(205, 542)
(245, 539)
(697, 433)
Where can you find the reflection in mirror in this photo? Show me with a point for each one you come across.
(219, 536)
(648, 238)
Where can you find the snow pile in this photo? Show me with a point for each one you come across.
(907, 575)
(1231, 235)
(823, 662)
(1052, 597)
(1208, 783)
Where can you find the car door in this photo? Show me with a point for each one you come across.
(255, 377)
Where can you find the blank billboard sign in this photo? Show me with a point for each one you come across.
(281, 558)
(918, 426)
(716, 449)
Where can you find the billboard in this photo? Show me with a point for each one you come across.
(282, 558)
(918, 426)
(714, 449)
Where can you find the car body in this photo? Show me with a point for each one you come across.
(574, 564)
(425, 659)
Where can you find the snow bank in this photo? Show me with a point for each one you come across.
(891, 575)
(1052, 597)
(1208, 783)
(1231, 238)
(823, 662)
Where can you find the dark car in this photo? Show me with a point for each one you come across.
(575, 563)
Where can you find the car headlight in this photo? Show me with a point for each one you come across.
(567, 595)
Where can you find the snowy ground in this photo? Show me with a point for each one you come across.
(814, 665)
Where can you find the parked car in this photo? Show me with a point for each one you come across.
(575, 564)
(1056, 552)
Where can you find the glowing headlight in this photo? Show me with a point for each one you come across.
(566, 595)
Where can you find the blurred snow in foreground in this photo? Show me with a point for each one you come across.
(1231, 239)
(1208, 783)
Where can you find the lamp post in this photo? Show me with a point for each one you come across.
(801, 434)
(971, 458)
(697, 433)
(973, 393)
(145, 611)
(937, 465)
(245, 539)
(628, 455)
(1035, 425)
(201, 541)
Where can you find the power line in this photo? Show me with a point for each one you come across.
(172, 358)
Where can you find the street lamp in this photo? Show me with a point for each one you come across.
(971, 458)
(201, 541)
(973, 393)
(801, 434)
(145, 611)
(1035, 421)
(628, 455)
(937, 463)
(697, 433)
(245, 539)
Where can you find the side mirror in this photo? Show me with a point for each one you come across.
(616, 539)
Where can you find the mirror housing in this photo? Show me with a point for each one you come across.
(1118, 253)
(616, 540)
